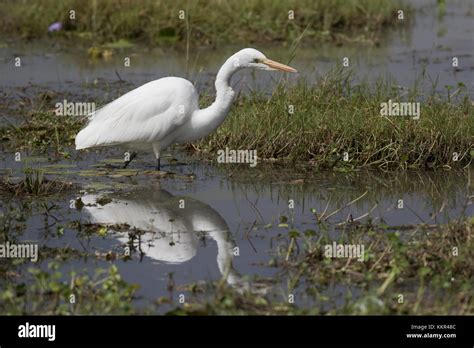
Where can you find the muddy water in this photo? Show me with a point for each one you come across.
(194, 219)
(228, 207)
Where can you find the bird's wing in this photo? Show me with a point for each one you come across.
(143, 115)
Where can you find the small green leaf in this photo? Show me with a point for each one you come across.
(102, 231)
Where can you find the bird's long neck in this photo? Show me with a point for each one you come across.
(225, 254)
(210, 118)
(224, 92)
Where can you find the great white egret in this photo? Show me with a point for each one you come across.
(166, 111)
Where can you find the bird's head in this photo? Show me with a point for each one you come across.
(251, 58)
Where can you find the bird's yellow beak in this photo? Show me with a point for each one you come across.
(278, 66)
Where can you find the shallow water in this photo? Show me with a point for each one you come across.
(196, 242)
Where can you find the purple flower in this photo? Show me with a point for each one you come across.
(55, 27)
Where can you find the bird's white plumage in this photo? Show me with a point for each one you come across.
(144, 115)
(169, 233)
(166, 111)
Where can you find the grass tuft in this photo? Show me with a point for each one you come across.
(335, 116)
(33, 184)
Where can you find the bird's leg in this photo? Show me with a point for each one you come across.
(132, 156)
(156, 150)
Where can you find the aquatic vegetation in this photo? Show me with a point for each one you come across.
(226, 301)
(204, 22)
(41, 130)
(50, 292)
(406, 270)
(338, 124)
(428, 264)
(34, 183)
(12, 219)
(423, 263)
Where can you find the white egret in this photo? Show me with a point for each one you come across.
(166, 111)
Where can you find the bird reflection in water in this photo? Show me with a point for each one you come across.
(170, 232)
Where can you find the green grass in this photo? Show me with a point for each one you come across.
(33, 183)
(47, 293)
(332, 117)
(42, 129)
(414, 261)
(206, 22)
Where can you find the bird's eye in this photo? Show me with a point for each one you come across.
(256, 60)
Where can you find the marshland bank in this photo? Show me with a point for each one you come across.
(329, 125)
(332, 120)
(162, 23)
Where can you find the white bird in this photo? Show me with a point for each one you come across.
(170, 232)
(166, 111)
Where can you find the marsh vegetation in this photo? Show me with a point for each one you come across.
(331, 168)
(163, 23)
